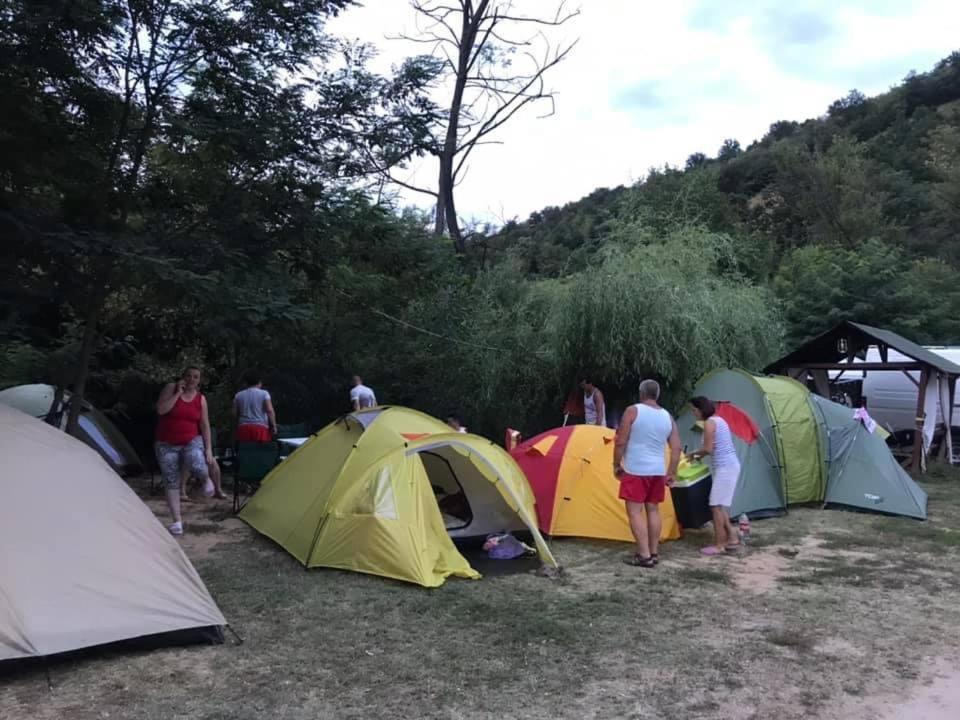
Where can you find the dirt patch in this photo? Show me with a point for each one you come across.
(936, 699)
(759, 571)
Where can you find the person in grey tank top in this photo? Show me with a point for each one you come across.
(725, 471)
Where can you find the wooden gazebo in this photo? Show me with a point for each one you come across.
(844, 348)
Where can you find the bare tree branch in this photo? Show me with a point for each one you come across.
(495, 59)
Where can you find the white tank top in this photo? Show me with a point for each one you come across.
(590, 411)
(724, 453)
(647, 440)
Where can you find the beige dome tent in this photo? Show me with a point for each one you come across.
(83, 562)
(95, 429)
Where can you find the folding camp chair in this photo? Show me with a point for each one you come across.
(251, 463)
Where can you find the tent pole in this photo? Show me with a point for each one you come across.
(948, 416)
(917, 456)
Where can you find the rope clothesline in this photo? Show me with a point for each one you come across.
(417, 328)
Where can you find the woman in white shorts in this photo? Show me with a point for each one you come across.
(725, 469)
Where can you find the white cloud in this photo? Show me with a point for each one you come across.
(650, 83)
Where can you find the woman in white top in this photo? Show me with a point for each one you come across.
(725, 470)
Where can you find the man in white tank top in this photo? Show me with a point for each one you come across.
(638, 462)
(594, 406)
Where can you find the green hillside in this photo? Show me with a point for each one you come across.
(855, 214)
(187, 205)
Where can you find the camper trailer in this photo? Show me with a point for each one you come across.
(891, 397)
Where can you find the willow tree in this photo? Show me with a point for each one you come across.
(495, 59)
(670, 307)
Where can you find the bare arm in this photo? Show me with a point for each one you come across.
(271, 415)
(709, 430)
(205, 428)
(168, 397)
(623, 434)
(674, 443)
(601, 406)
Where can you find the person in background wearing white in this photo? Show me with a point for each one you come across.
(253, 413)
(725, 469)
(640, 466)
(453, 420)
(594, 407)
(361, 396)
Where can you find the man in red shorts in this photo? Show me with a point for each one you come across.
(639, 464)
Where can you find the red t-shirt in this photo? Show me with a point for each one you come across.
(182, 423)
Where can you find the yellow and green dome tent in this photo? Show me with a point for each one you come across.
(362, 495)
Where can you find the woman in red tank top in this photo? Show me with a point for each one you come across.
(182, 438)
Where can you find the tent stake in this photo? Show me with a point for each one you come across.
(235, 634)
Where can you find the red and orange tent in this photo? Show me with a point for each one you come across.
(570, 470)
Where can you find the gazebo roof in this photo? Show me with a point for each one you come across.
(827, 349)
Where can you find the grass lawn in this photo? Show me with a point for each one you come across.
(826, 615)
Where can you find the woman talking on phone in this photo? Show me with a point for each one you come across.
(182, 438)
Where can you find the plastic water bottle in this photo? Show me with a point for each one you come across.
(744, 528)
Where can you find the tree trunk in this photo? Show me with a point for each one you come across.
(89, 344)
(446, 213)
(446, 217)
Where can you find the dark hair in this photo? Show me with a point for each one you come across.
(704, 405)
(251, 378)
(191, 367)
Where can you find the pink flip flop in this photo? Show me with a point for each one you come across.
(711, 550)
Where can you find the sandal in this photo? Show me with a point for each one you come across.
(732, 548)
(637, 561)
(711, 551)
(656, 558)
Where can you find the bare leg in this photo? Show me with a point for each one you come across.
(215, 476)
(733, 533)
(719, 526)
(173, 501)
(654, 522)
(184, 481)
(638, 526)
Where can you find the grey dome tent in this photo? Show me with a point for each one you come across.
(83, 561)
(95, 429)
(810, 450)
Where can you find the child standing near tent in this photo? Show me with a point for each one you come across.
(725, 468)
(182, 438)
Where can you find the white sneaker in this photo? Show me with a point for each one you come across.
(208, 488)
(176, 528)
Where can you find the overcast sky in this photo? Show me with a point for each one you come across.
(652, 82)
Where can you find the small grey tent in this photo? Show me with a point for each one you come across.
(810, 450)
(83, 562)
(95, 429)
